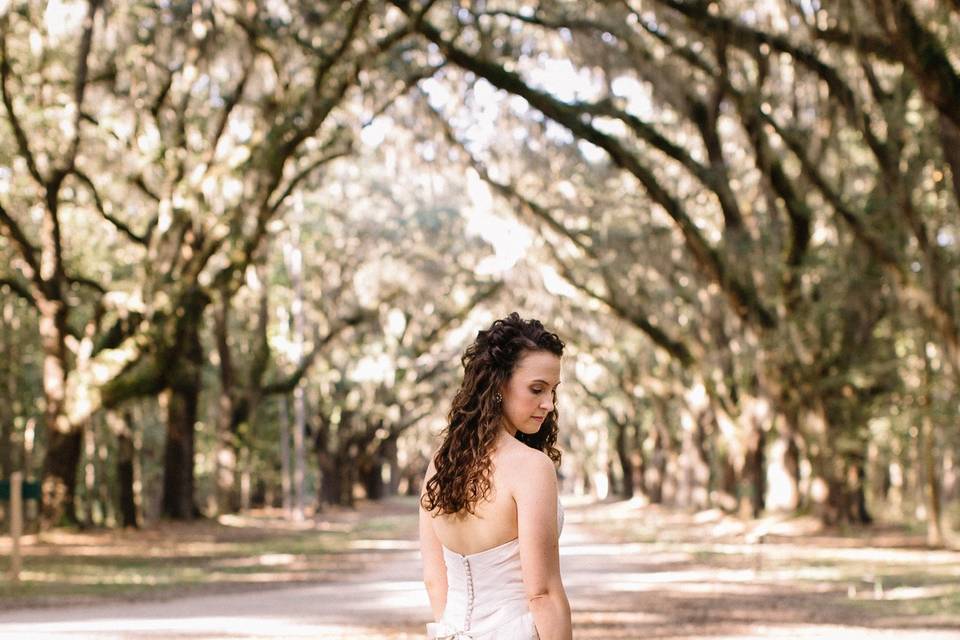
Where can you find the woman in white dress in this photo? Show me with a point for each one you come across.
(489, 512)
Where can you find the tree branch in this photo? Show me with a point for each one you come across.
(221, 321)
(334, 151)
(639, 318)
(228, 108)
(23, 145)
(743, 297)
(80, 86)
(327, 63)
(811, 172)
(747, 39)
(509, 192)
(600, 399)
(287, 385)
(18, 288)
(141, 184)
(27, 251)
(564, 22)
(924, 55)
(98, 202)
(860, 42)
(87, 282)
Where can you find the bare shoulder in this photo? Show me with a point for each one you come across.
(430, 472)
(431, 468)
(531, 472)
(516, 452)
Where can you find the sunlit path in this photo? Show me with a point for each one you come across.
(695, 577)
(389, 595)
(687, 576)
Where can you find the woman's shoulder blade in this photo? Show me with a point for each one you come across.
(518, 458)
(529, 472)
(539, 459)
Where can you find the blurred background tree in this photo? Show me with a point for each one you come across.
(742, 219)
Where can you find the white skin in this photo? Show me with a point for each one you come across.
(522, 506)
(529, 394)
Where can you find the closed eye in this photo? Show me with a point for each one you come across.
(539, 390)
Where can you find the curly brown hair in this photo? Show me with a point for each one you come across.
(462, 462)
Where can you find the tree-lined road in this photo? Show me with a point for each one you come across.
(643, 589)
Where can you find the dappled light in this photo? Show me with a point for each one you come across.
(245, 244)
(626, 567)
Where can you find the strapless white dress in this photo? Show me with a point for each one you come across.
(485, 595)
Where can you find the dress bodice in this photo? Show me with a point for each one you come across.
(485, 595)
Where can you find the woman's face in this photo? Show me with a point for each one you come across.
(529, 393)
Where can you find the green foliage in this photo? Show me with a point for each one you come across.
(744, 220)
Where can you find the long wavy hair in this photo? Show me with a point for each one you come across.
(462, 462)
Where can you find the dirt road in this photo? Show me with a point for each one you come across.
(721, 589)
(370, 605)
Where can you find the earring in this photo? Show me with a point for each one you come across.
(498, 398)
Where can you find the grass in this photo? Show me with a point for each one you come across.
(169, 558)
(819, 575)
(882, 571)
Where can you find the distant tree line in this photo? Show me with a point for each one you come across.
(754, 207)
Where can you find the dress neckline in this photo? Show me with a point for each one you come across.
(500, 546)
(480, 553)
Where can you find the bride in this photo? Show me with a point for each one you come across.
(489, 512)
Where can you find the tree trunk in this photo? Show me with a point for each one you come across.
(931, 482)
(727, 482)
(391, 457)
(246, 480)
(121, 426)
(932, 488)
(826, 489)
(233, 409)
(182, 399)
(838, 490)
(258, 493)
(625, 456)
(330, 490)
(857, 485)
(843, 497)
(295, 269)
(754, 469)
(948, 481)
(60, 478)
(7, 444)
(125, 476)
(64, 440)
(285, 484)
(9, 458)
(783, 470)
(107, 479)
(703, 421)
(346, 474)
(383, 457)
(658, 468)
(91, 478)
(639, 462)
(181, 403)
(228, 495)
(299, 452)
(371, 473)
(413, 475)
(328, 485)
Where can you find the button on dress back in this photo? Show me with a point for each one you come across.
(485, 595)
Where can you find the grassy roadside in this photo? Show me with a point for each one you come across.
(169, 559)
(883, 573)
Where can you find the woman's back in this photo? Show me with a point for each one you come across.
(486, 594)
(489, 513)
(495, 519)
